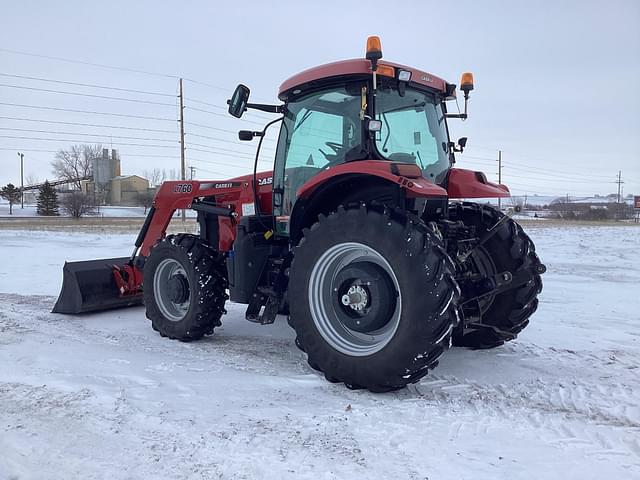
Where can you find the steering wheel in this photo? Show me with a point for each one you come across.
(332, 158)
(335, 146)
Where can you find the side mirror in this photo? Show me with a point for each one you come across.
(462, 142)
(239, 100)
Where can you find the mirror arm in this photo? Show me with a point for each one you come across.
(464, 115)
(266, 108)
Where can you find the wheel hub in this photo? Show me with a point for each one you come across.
(355, 298)
(178, 288)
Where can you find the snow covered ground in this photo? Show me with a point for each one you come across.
(106, 211)
(104, 396)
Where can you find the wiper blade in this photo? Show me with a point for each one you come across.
(407, 107)
(304, 119)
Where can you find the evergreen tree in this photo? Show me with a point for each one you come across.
(11, 194)
(47, 200)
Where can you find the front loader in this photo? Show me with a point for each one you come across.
(359, 234)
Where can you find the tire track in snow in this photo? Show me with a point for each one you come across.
(601, 417)
(571, 413)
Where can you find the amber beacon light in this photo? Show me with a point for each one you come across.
(466, 83)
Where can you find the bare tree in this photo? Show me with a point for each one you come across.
(77, 204)
(31, 179)
(145, 199)
(75, 162)
(155, 176)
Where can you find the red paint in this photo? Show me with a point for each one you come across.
(465, 184)
(355, 67)
(128, 280)
(167, 201)
(417, 187)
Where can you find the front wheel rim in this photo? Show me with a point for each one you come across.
(326, 297)
(172, 311)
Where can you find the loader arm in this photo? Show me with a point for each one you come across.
(117, 282)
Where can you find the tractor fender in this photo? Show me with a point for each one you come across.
(367, 180)
(463, 183)
(407, 176)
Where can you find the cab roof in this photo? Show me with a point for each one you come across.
(357, 66)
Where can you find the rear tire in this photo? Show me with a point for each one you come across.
(372, 298)
(184, 287)
(508, 250)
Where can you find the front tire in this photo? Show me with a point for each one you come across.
(184, 287)
(372, 298)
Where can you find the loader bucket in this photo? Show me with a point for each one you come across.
(89, 286)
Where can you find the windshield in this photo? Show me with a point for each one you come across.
(413, 131)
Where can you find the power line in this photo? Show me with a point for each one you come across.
(114, 67)
(234, 132)
(40, 107)
(91, 95)
(90, 85)
(86, 134)
(217, 163)
(558, 179)
(211, 171)
(527, 167)
(553, 171)
(221, 140)
(210, 127)
(196, 109)
(220, 107)
(81, 62)
(29, 149)
(245, 155)
(79, 124)
(225, 153)
(80, 141)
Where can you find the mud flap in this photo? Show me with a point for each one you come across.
(90, 286)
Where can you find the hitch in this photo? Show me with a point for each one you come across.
(483, 286)
(487, 235)
(501, 282)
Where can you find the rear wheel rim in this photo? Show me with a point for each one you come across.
(332, 312)
(170, 309)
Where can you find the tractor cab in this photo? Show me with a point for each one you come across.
(337, 123)
(357, 110)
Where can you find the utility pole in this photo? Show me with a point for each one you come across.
(182, 162)
(21, 155)
(499, 176)
(192, 171)
(619, 182)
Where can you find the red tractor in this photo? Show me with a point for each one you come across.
(353, 235)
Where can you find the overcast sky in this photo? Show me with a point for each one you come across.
(555, 81)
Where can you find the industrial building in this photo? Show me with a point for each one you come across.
(109, 185)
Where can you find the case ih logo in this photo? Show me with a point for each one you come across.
(223, 185)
